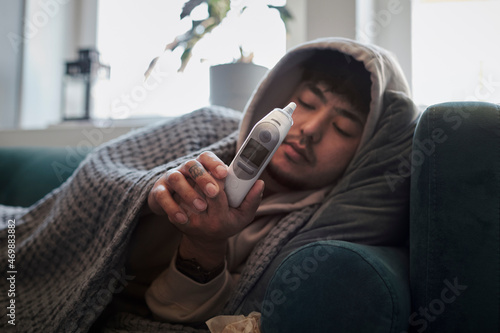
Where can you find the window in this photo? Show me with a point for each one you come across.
(131, 33)
(455, 51)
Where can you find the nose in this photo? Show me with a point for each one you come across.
(313, 127)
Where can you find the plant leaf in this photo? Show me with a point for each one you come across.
(189, 6)
(218, 9)
(284, 14)
(172, 45)
(151, 66)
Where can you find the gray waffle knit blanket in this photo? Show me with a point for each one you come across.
(70, 246)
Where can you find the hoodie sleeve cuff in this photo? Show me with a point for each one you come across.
(192, 269)
(175, 297)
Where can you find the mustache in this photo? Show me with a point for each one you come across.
(302, 145)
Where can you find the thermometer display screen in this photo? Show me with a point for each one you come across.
(255, 152)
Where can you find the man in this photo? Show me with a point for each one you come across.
(332, 108)
(151, 208)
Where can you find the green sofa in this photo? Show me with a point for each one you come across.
(447, 281)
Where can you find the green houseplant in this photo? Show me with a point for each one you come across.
(230, 83)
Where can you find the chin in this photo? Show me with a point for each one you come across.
(287, 179)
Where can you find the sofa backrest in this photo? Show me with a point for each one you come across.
(27, 174)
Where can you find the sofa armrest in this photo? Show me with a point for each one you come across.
(336, 286)
(455, 219)
(27, 174)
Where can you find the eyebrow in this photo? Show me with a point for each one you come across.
(315, 90)
(343, 112)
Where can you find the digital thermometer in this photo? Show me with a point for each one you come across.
(256, 152)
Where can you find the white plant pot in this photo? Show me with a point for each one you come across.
(231, 85)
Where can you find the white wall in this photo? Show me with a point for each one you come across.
(54, 30)
(386, 23)
(41, 36)
(11, 13)
(331, 18)
(43, 61)
(318, 18)
(393, 19)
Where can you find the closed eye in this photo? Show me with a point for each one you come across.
(341, 131)
(305, 105)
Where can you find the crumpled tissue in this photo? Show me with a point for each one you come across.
(235, 324)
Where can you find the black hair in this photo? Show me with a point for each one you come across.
(342, 74)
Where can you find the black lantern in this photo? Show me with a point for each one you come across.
(79, 82)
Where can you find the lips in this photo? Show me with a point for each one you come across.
(296, 152)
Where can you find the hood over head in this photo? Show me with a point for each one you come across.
(369, 203)
(333, 55)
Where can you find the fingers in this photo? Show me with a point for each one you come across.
(177, 183)
(191, 183)
(213, 164)
(161, 201)
(205, 171)
(154, 197)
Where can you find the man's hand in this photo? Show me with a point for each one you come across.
(193, 197)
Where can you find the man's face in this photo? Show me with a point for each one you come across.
(325, 134)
